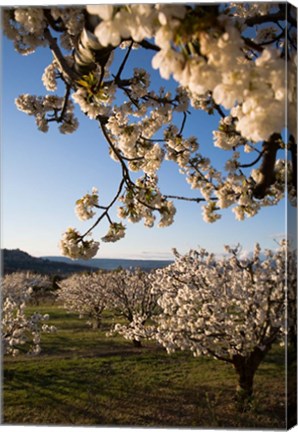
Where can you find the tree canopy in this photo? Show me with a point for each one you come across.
(235, 61)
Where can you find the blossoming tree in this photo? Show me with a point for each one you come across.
(16, 283)
(21, 333)
(86, 294)
(236, 61)
(43, 287)
(130, 297)
(232, 309)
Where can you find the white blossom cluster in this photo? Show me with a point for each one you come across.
(86, 294)
(135, 330)
(49, 77)
(21, 333)
(227, 307)
(84, 206)
(247, 10)
(226, 137)
(144, 201)
(39, 107)
(25, 26)
(73, 246)
(135, 139)
(72, 19)
(94, 101)
(135, 21)
(53, 72)
(17, 283)
(115, 233)
(248, 87)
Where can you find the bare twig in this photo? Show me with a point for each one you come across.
(248, 165)
(118, 75)
(107, 208)
(183, 124)
(218, 109)
(65, 102)
(176, 197)
(148, 45)
(253, 45)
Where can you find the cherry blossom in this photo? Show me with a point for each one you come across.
(21, 333)
(84, 205)
(17, 283)
(231, 60)
(232, 309)
(75, 247)
(86, 294)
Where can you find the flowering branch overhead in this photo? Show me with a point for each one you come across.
(229, 60)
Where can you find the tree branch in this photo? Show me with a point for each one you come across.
(118, 154)
(187, 198)
(148, 45)
(293, 151)
(118, 75)
(71, 74)
(274, 17)
(248, 165)
(253, 45)
(266, 169)
(53, 23)
(218, 109)
(183, 124)
(105, 213)
(66, 98)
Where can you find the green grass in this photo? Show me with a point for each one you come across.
(84, 378)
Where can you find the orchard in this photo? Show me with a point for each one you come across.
(234, 63)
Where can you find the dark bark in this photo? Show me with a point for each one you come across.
(137, 343)
(246, 368)
(245, 381)
(96, 324)
(293, 151)
(269, 152)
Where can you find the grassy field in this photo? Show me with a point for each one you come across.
(84, 378)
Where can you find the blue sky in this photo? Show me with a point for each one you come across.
(44, 174)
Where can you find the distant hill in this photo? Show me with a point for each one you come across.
(114, 263)
(17, 260)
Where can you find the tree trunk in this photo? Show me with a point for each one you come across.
(245, 383)
(96, 324)
(246, 368)
(137, 343)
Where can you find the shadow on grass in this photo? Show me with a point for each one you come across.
(84, 378)
(124, 389)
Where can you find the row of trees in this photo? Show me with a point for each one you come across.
(235, 61)
(230, 308)
(127, 293)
